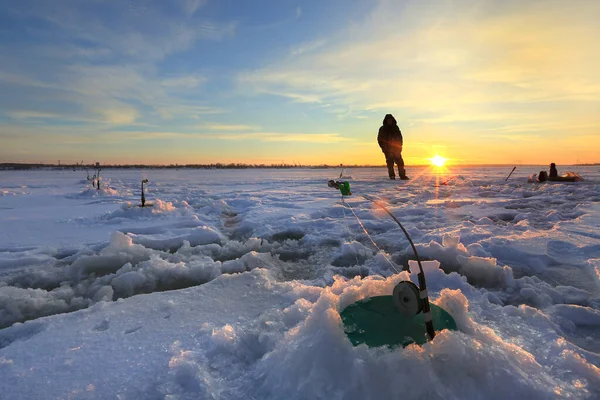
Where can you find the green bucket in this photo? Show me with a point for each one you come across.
(376, 322)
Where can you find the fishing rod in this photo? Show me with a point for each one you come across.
(448, 180)
(97, 176)
(409, 298)
(511, 172)
(143, 196)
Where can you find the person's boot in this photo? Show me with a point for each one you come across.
(393, 178)
(402, 173)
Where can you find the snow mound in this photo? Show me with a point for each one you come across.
(120, 251)
(17, 304)
(196, 236)
(315, 359)
(454, 256)
(131, 210)
(90, 193)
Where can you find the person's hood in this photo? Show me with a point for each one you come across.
(389, 116)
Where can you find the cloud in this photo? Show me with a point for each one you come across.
(191, 6)
(137, 30)
(184, 81)
(227, 128)
(101, 64)
(100, 133)
(26, 115)
(84, 91)
(457, 61)
(307, 47)
(285, 137)
(128, 136)
(189, 111)
(323, 138)
(298, 12)
(18, 79)
(119, 116)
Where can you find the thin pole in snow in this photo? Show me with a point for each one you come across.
(511, 172)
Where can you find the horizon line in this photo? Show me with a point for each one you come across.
(251, 165)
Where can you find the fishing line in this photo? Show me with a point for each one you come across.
(349, 232)
(370, 237)
(384, 208)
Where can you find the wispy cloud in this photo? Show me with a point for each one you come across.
(452, 60)
(184, 81)
(191, 6)
(29, 115)
(105, 67)
(120, 115)
(123, 136)
(285, 137)
(226, 127)
(307, 47)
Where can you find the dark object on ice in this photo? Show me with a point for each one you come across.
(343, 187)
(568, 177)
(143, 196)
(511, 172)
(96, 177)
(144, 204)
(445, 183)
(553, 171)
(390, 140)
(553, 176)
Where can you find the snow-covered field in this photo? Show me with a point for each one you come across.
(230, 287)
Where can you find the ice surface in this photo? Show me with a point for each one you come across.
(231, 285)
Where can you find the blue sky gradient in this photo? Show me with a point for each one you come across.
(266, 81)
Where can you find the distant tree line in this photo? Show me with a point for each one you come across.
(81, 166)
(24, 166)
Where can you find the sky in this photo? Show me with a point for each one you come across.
(271, 81)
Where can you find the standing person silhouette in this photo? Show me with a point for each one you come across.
(390, 141)
(553, 171)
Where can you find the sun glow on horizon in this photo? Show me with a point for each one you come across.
(438, 161)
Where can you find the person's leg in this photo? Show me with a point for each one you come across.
(400, 162)
(389, 160)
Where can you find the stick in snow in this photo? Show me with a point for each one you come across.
(511, 172)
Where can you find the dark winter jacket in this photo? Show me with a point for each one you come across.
(390, 137)
(553, 171)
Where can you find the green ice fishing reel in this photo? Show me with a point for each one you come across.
(343, 187)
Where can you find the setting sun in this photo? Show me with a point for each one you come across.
(438, 161)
